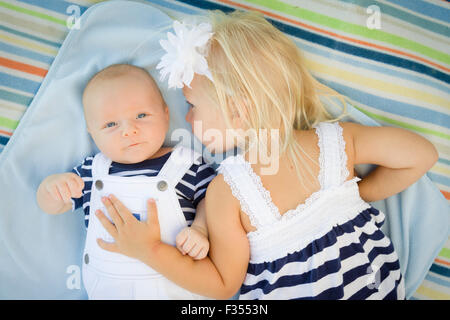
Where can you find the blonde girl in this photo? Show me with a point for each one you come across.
(305, 231)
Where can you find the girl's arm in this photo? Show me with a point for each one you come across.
(219, 276)
(401, 155)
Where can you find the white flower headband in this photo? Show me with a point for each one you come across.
(186, 51)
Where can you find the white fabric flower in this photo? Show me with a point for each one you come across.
(186, 50)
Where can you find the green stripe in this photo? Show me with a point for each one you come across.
(8, 123)
(32, 13)
(404, 124)
(445, 253)
(351, 28)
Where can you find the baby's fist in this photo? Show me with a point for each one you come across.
(193, 242)
(64, 186)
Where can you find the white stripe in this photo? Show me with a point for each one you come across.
(299, 291)
(199, 193)
(187, 184)
(133, 172)
(370, 277)
(203, 167)
(326, 254)
(204, 181)
(318, 259)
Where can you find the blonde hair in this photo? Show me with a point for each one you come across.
(260, 73)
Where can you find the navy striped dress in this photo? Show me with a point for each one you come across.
(190, 190)
(329, 247)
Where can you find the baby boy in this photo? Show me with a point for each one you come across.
(128, 119)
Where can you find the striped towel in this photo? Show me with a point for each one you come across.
(390, 58)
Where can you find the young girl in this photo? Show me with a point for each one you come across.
(305, 231)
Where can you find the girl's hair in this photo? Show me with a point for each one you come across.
(260, 74)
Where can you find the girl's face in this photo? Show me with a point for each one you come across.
(206, 119)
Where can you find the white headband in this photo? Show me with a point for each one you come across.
(186, 52)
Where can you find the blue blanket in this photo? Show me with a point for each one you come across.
(40, 254)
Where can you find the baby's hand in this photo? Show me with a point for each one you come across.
(193, 241)
(64, 186)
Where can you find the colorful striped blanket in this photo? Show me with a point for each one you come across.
(391, 58)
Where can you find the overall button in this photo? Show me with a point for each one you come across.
(86, 258)
(99, 184)
(162, 185)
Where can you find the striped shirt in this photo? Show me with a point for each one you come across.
(190, 190)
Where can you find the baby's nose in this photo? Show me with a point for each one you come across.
(130, 131)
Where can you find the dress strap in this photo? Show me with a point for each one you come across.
(178, 164)
(247, 188)
(332, 158)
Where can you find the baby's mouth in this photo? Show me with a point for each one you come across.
(134, 144)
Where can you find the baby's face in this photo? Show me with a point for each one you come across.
(127, 118)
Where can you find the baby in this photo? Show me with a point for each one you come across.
(128, 120)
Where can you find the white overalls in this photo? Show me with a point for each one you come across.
(109, 275)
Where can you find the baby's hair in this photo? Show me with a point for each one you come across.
(259, 72)
(117, 70)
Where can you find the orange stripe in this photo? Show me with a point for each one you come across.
(6, 133)
(22, 67)
(446, 194)
(335, 34)
(442, 262)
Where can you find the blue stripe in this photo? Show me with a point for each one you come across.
(443, 271)
(402, 15)
(425, 8)
(392, 106)
(439, 178)
(54, 5)
(25, 53)
(175, 7)
(340, 46)
(4, 140)
(444, 161)
(310, 276)
(419, 78)
(29, 36)
(17, 83)
(438, 280)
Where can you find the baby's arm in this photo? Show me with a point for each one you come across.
(193, 240)
(401, 155)
(55, 192)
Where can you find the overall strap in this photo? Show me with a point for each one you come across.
(247, 188)
(100, 165)
(332, 158)
(179, 162)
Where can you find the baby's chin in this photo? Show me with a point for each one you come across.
(134, 156)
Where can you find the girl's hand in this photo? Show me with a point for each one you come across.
(193, 241)
(132, 237)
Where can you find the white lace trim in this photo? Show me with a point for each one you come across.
(342, 154)
(256, 179)
(321, 176)
(237, 194)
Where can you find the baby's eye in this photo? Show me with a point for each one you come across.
(141, 115)
(110, 124)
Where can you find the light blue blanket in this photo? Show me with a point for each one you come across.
(40, 254)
